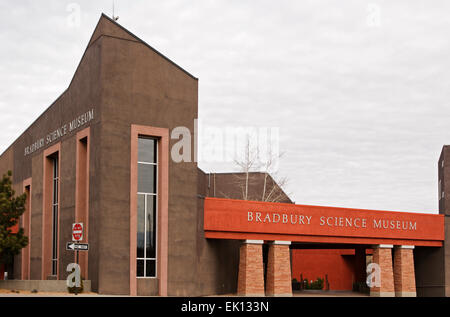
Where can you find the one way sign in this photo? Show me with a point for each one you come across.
(71, 246)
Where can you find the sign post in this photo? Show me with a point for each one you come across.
(77, 235)
(77, 231)
(73, 246)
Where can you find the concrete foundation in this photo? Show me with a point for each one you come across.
(40, 285)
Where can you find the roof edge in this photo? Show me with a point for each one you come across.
(103, 15)
(146, 44)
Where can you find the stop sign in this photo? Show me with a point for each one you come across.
(77, 231)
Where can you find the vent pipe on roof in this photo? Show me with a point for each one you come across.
(115, 18)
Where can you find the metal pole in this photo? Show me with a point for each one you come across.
(80, 272)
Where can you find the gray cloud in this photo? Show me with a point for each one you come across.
(363, 111)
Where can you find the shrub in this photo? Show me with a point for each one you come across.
(76, 290)
(314, 285)
(317, 284)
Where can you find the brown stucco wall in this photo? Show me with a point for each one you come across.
(432, 265)
(429, 271)
(6, 161)
(217, 260)
(36, 216)
(446, 255)
(140, 87)
(81, 96)
(7, 164)
(439, 260)
(444, 178)
(218, 278)
(125, 82)
(230, 185)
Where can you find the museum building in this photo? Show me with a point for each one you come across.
(101, 155)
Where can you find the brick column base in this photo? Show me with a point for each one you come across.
(382, 255)
(279, 281)
(251, 272)
(404, 276)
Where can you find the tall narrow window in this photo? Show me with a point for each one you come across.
(55, 204)
(147, 207)
(26, 224)
(50, 212)
(82, 195)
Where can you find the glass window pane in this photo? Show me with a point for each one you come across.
(55, 231)
(140, 226)
(55, 167)
(146, 178)
(55, 218)
(55, 237)
(150, 268)
(147, 150)
(55, 191)
(151, 227)
(140, 268)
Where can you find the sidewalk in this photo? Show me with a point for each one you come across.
(312, 293)
(304, 293)
(10, 293)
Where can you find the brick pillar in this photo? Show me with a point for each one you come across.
(251, 273)
(382, 255)
(404, 277)
(279, 281)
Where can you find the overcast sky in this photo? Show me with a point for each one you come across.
(358, 89)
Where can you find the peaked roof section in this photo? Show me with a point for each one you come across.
(108, 27)
(105, 27)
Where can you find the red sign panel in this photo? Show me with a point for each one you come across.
(239, 219)
(77, 232)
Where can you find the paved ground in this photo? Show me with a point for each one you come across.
(304, 293)
(307, 293)
(311, 293)
(9, 293)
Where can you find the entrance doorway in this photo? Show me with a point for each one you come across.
(329, 267)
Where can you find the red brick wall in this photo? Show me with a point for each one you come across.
(338, 264)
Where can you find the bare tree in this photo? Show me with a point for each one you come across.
(274, 192)
(273, 183)
(246, 165)
(272, 188)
